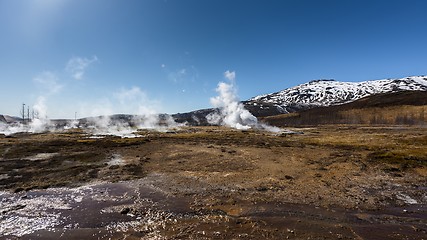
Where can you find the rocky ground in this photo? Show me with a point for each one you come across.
(349, 182)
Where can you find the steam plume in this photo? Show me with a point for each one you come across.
(232, 113)
(41, 123)
(129, 101)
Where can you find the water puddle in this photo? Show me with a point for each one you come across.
(106, 208)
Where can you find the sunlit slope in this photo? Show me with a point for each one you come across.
(400, 108)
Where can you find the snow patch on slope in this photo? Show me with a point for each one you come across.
(331, 92)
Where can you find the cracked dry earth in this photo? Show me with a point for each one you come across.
(348, 182)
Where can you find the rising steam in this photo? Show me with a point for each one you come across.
(133, 100)
(124, 125)
(232, 113)
(128, 101)
(40, 123)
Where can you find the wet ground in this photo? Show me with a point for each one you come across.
(215, 183)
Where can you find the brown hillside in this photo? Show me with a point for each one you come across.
(400, 108)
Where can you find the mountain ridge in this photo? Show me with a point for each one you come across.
(326, 92)
(313, 94)
(395, 108)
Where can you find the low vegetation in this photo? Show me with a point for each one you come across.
(401, 108)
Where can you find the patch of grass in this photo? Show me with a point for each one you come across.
(86, 140)
(403, 159)
(84, 157)
(415, 140)
(124, 142)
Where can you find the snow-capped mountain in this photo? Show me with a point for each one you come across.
(330, 92)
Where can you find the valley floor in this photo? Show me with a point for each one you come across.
(331, 182)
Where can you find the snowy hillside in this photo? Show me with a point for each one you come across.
(330, 92)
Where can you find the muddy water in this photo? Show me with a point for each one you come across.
(102, 210)
(138, 209)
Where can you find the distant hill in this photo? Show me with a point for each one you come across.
(194, 118)
(321, 93)
(2, 119)
(404, 107)
(326, 93)
(9, 119)
(316, 102)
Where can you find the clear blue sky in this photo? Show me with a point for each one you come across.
(169, 55)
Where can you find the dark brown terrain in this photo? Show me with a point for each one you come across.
(326, 182)
(397, 108)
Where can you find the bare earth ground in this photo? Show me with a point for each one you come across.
(215, 183)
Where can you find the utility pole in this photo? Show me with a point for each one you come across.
(28, 113)
(23, 113)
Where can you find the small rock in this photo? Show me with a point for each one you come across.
(289, 177)
(125, 211)
(19, 189)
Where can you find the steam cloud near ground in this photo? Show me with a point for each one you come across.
(132, 100)
(101, 126)
(124, 125)
(109, 125)
(232, 113)
(37, 125)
